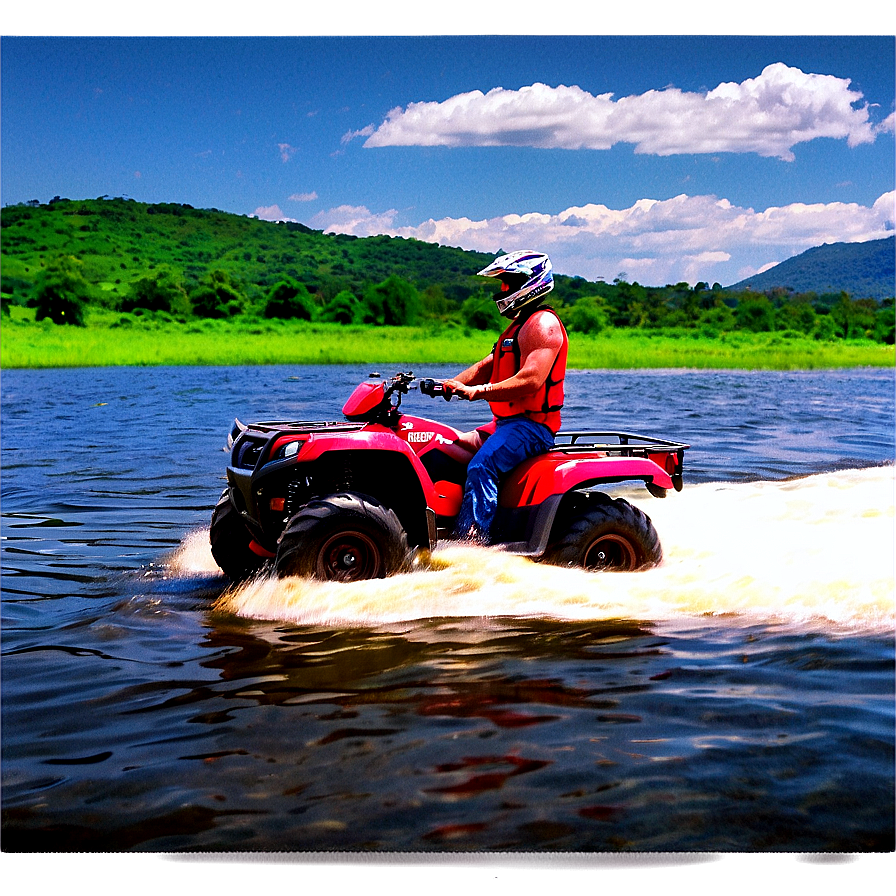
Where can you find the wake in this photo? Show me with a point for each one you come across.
(808, 551)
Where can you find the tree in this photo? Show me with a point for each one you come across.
(755, 313)
(628, 305)
(854, 319)
(885, 322)
(61, 293)
(343, 308)
(719, 317)
(588, 315)
(479, 312)
(159, 291)
(825, 328)
(796, 314)
(435, 302)
(289, 300)
(217, 296)
(392, 303)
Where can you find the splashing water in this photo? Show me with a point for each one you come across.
(818, 549)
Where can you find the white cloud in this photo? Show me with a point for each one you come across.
(686, 238)
(364, 132)
(271, 213)
(767, 115)
(304, 197)
(286, 151)
(354, 219)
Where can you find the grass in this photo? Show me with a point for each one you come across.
(113, 339)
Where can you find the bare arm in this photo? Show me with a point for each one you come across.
(540, 339)
(474, 375)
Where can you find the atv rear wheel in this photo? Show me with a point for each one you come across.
(609, 536)
(342, 538)
(231, 540)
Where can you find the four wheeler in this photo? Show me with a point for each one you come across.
(356, 498)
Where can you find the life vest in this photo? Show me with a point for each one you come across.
(543, 405)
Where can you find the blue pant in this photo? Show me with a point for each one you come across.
(515, 439)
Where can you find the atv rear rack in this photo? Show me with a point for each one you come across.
(626, 444)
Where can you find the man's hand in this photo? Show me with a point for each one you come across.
(461, 390)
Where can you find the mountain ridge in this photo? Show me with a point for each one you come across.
(865, 270)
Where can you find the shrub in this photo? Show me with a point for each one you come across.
(479, 312)
(719, 317)
(394, 303)
(825, 328)
(61, 293)
(159, 291)
(343, 308)
(885, 323)
(216, 296)
(289, 300)
(756, 314)
(588, 315)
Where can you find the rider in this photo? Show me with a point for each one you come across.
(522, 380)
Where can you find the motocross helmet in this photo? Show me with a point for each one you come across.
(525, 277)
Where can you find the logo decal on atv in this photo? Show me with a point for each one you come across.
(420, 436)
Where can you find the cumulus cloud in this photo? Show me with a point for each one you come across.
(686, 238)
(768, 115)
(354, 219)
(271, 213)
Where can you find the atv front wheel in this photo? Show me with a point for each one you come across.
(610, 536)
(342, 538)
(231, 540)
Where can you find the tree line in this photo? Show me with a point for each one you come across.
(174, 262)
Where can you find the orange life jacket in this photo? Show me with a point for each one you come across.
(543, 405)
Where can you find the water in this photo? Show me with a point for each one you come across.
(739, 698)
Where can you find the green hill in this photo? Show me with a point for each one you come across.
(80, 261)
(121, 240)
(864, 270)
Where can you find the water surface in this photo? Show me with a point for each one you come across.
(737, 698)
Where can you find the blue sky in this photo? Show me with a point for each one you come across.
(658, 158)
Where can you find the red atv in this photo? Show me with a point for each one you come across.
(356, 499)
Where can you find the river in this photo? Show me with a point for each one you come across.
(739, 698)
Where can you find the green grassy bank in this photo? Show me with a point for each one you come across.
(121, 341)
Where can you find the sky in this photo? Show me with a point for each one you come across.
(652, 158)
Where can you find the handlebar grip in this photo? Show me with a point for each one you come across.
(433, 389)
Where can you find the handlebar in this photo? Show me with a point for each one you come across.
(434, 389)
(401, 383)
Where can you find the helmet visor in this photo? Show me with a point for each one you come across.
(511, 284)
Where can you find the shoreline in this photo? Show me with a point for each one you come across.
(152, 342)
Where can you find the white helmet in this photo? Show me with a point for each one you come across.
(526, 276)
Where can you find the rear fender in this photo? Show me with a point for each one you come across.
(543, 477)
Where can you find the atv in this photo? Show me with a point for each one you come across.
(359, 498)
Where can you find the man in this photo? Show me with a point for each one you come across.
(521, 379)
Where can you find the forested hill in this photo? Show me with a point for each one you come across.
(74, 261)
(121, 240)
(864, 270)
